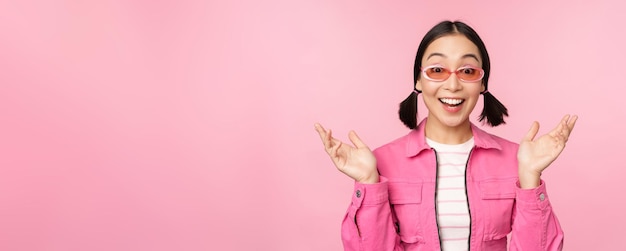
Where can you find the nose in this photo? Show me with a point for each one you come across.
(453, 83)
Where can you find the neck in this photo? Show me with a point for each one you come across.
(446, 134)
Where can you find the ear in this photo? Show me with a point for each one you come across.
(483, 86)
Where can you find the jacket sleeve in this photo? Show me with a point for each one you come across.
(369, 224)
(535, 227)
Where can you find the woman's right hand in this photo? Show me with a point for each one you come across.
(358, 161)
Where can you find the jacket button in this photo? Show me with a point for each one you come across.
(542, 197)
(358, 193)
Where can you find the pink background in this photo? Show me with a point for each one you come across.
(188, 125)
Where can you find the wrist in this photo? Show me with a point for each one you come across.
(372, 179)
(529, 179)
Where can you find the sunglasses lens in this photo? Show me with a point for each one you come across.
(437, 73)
(470, 74)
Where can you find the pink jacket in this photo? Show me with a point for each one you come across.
(398, 213)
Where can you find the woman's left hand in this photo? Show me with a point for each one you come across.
(535, 155)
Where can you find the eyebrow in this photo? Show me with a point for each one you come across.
(469, 55)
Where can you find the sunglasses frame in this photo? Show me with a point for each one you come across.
(424, 69)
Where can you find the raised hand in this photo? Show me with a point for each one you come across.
(358, 161)
(535, 155)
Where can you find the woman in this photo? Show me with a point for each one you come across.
(448, 185)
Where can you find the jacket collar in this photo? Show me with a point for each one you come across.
(416, 140)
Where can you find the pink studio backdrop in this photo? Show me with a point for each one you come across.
(188, 125)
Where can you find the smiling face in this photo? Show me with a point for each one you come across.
(450, 102)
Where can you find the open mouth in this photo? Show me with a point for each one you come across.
(452, 101)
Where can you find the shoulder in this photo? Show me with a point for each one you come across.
(487, 140)
(394, 147)
(496, 159)
(504, 143)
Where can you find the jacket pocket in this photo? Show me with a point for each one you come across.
(498, 199)
(498, 189)
(406, 204)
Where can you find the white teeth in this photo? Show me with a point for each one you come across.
(451, 101)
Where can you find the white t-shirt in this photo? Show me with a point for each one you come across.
(452, 207)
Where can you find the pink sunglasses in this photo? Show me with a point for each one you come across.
(438, 73)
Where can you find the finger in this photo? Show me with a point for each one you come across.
(561, 139)
(335, 142)
(321, 131)
(561, 128)
(319, 128)
(572, 122)
(559, 145)
(329, 139)
(565, 119)
(335, 149)
(558, 129)
(532, 132)
(569, 126)
(358, 143)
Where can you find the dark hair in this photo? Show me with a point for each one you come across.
(493, 110)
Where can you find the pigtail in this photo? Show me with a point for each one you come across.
(493, 110)
(408, 110)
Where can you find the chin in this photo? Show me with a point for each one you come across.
(454, 121)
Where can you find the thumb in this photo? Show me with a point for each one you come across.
(532, 132)
(356, 140)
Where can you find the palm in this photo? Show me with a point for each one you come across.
(358, 161)
(536, 155)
